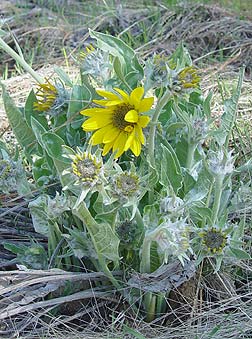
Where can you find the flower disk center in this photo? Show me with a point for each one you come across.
(214, 240)
(86, 169)
(127, 184)
(119, 114)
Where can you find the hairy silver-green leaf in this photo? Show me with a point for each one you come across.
(23, 133)
(104, 239)
(171, 173)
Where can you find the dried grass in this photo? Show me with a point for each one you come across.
(28, 299)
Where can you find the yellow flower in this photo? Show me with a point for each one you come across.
(214, 240)
(118, 124)
(46, 95)
(189, 78)
(86, 167)
(89, 50)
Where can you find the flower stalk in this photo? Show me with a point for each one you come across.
(145, 265)
(153, 125)
(217, 198)
(21, 61)
(190, 155)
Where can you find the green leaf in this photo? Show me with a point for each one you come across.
(200, 213)
(38, 210)
(16, 249)
(151, 215)
(80, 244)
(239, 231)
(225, 200)
(181, 151)
(153, 177)
(172, 128)
(207, 105)
(126, 55)
(53, 144)
(181, 56)
(29, 111)
(54, 147)
(189, 182)
(80, 98)
(198, 193)
(41, 171)
(239, 254)
(32, 256)
(38, 130)
(23, 133)
(230, 112)
(104, 239)
(182, 114)
(203, 184)
(119, 69)
(171, 173)
(73, 137)
(63, 76)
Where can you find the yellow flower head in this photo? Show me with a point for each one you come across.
(189, 78)
(86, 168)
(127, 184)
(214, 239)
(46, 95)
(118, 124)
(89, 50)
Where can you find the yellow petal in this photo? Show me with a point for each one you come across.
(143, 121)
(139, 134)
(106, 94)
(94, 123)
(108, 102)
(123, 94)
(119, 144)
(136, 96)
(129, 141)
(136, 147)
(131, 116)
(93, 111)
(107, 147)
(145, 104)
(111, 134)
(97, 137)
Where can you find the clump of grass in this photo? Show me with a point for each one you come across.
(44, 28)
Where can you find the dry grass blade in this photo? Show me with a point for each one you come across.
(16, 310)
(29, 277)
(25, 293)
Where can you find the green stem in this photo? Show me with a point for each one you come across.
(145, 265)
(150, 306)
(190, 155)
(203, 222)
(153, 126)
(160, 304)
(217, 198)
(21, 61)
